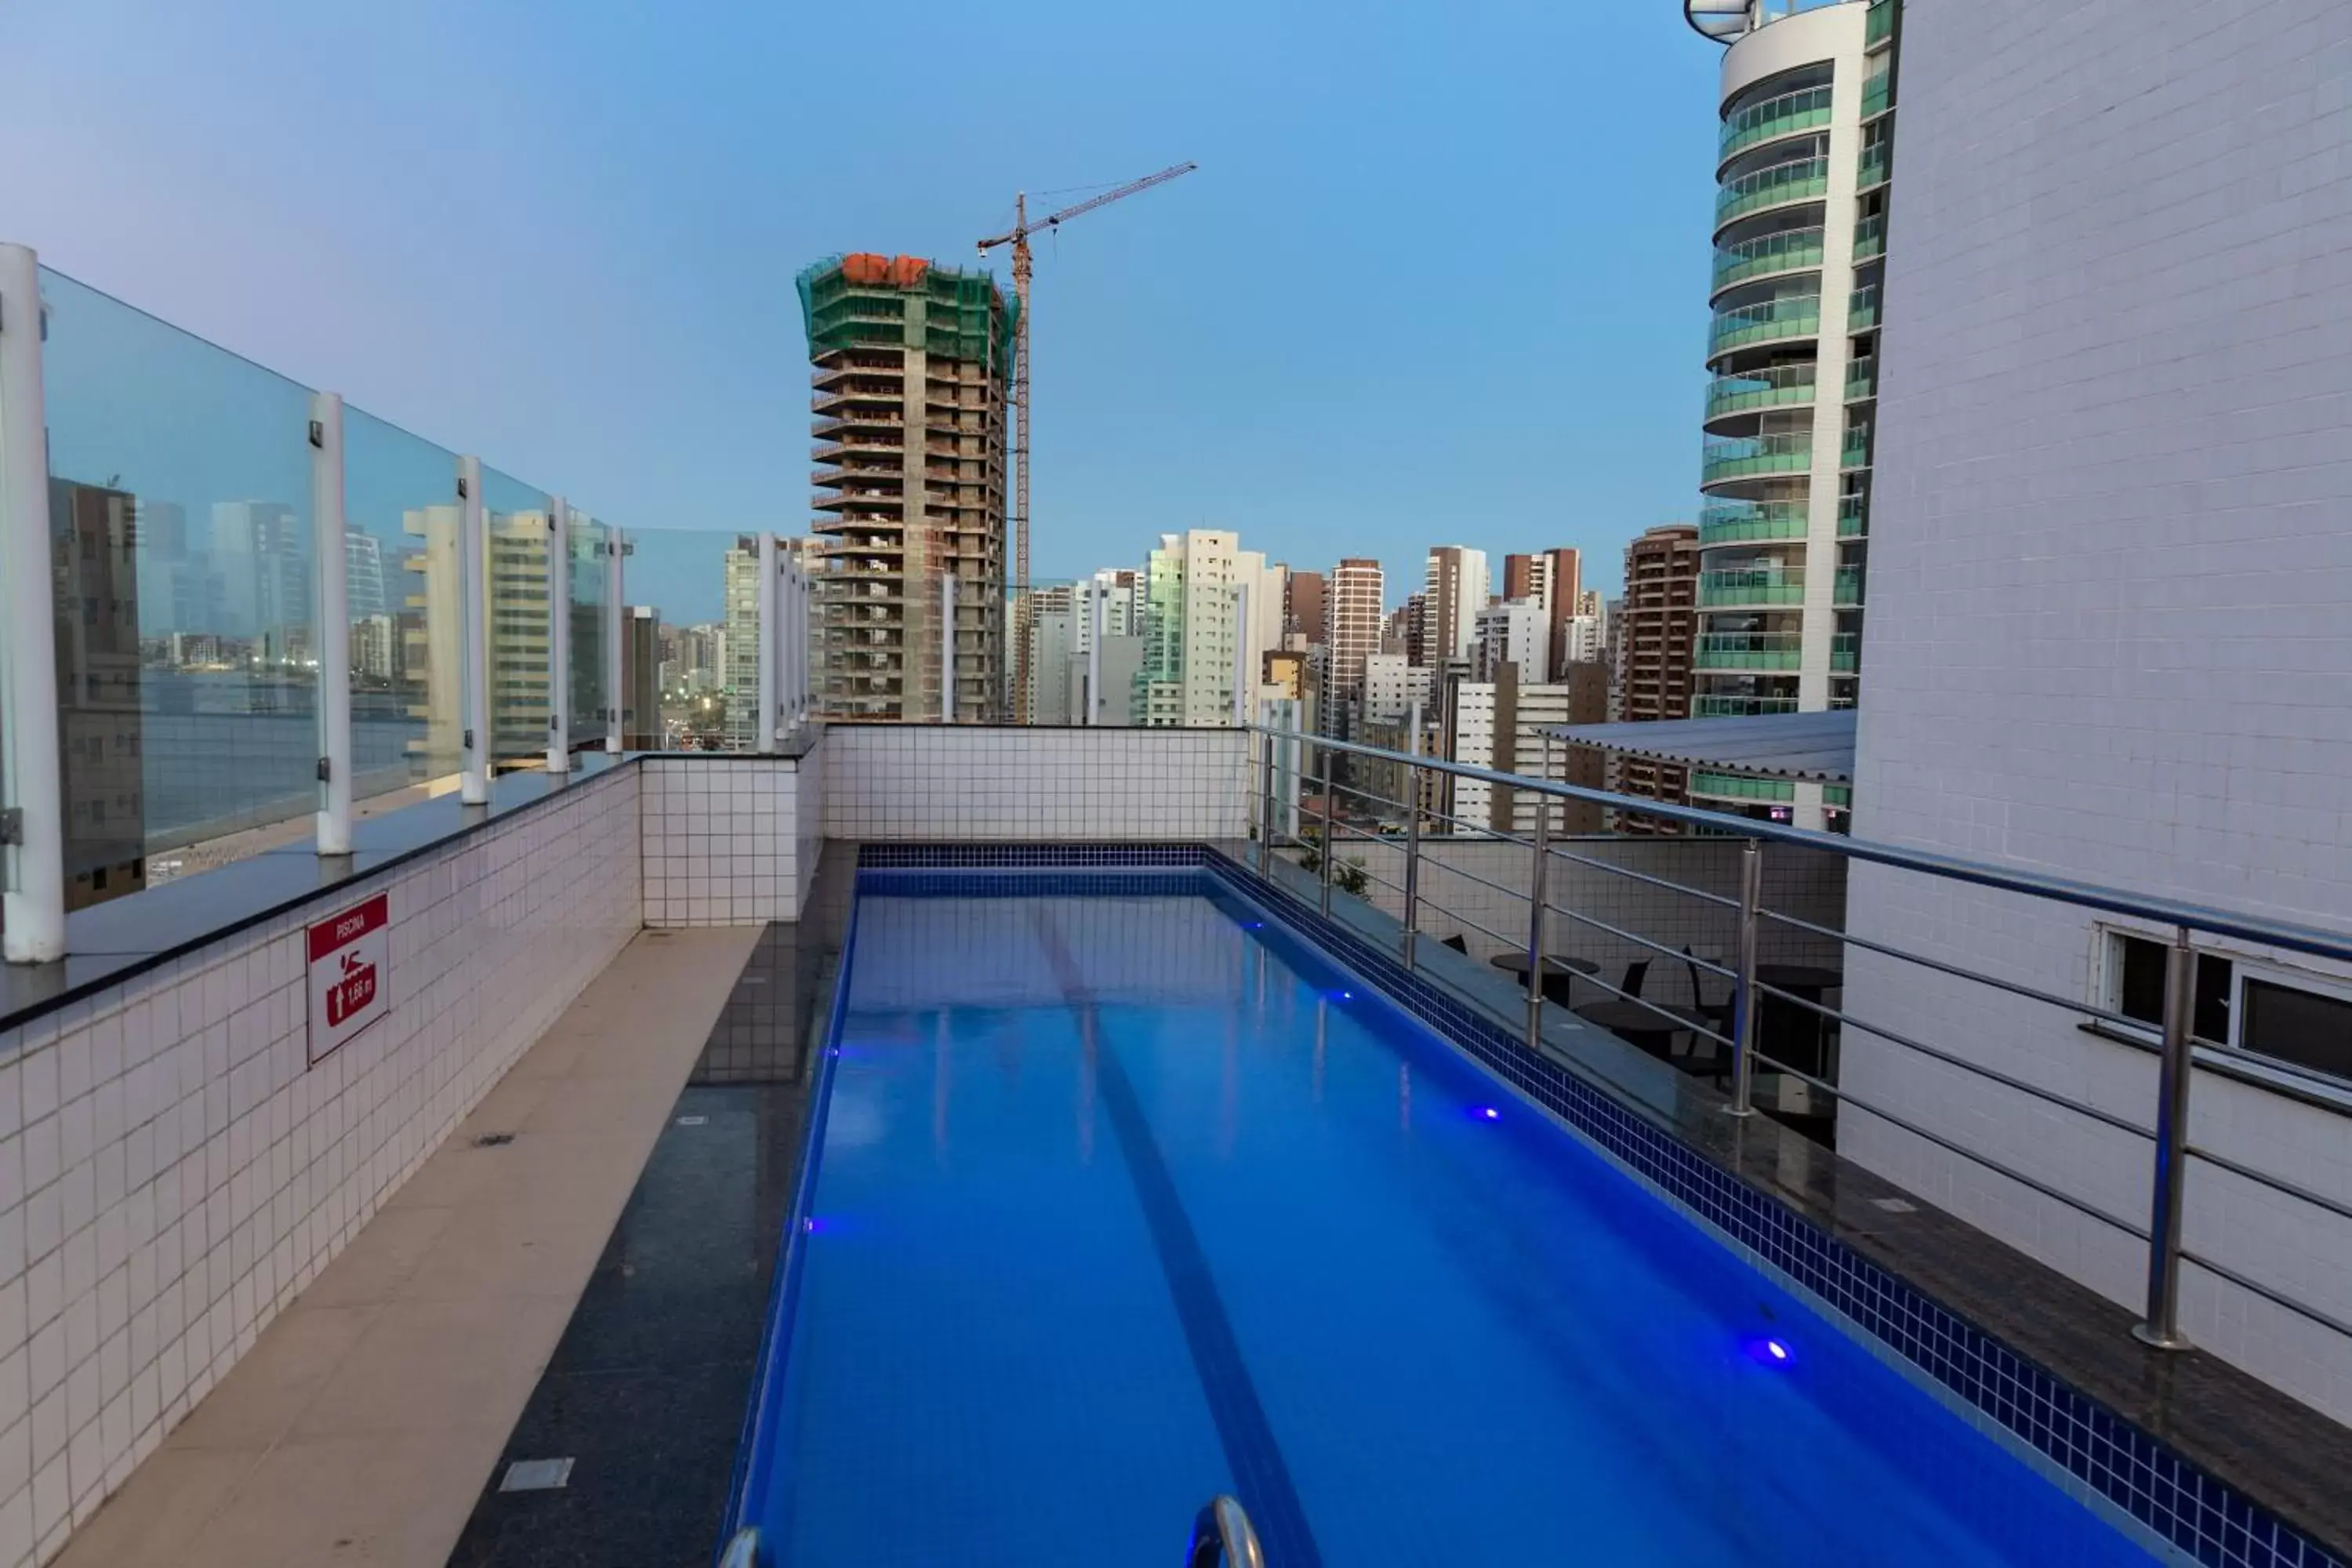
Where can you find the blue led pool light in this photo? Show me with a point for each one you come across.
(1485, 1113)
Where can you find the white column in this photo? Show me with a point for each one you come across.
(1242, 682)
(473, 633)
(790, 651)
(763, 709)
(559, 635)
(1095, 594)
(32, 794)
(947, 648)
(334, 618)
(616, 626)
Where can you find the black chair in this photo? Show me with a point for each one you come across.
(1717, 1016)
(1458, 942)
(1630, 986)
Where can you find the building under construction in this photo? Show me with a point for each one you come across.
(911, 365)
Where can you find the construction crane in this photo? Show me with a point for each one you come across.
(1017, 237)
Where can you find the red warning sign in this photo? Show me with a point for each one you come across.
(351, 955)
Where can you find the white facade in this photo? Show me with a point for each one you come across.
(1586, 637)
(1456, 585)
(1213, 608)
(1516, 633)
(2111, 621)
(1392, 685)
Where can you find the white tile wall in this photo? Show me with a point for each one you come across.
(2111, 600)
(729, 841)
(965, 782)
(171, 1174)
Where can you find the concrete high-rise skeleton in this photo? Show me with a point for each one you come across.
(912, 364)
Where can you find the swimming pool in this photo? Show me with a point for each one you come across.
(1127, 1200)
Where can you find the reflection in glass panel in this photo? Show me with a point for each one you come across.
(180, 534)
(401, 516)
(702, 591)
(591, 596)
(515, 519)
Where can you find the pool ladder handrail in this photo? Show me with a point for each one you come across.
(1222, 1534)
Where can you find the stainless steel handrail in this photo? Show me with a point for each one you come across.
(2294, 937)
(1222, 1534)
(2172, 1151)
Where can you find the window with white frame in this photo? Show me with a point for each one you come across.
(2289, 1016)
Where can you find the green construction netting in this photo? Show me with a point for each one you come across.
(965, 315)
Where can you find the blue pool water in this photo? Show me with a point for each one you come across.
(1125, 1201)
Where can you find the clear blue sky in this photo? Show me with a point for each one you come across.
(1441, 276)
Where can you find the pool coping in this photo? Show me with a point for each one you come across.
(2224, 1467)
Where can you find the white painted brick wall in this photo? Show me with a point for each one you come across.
(171, 1174)
(2110, 589)
(965, 782)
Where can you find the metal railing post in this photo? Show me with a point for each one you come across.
(1262, 803)
(332, 826)
(1536, 899)
(1411, 836)
(32, 788)
(2162, 1328)
(476, 740)
(1329, 848)
(617, 627)
(559, 635)
(1743, 994)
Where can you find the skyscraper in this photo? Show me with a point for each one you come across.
(911, 364)
(363, 585)
(1555, 580)
(1654, 637)
(1357, 588)
(262, 552)
(1799, 240)
(1209, 603)
(1456, 586)
(740, 659)
(1308, 613)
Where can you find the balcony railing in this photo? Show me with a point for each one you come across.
(1803, 180)
(1854, 517)
(1877, 94)
(1740, 524)
(1846, 592)
(1749, 650)
(1862, 309)
(1737, 589)
(1855, 451)
(1784, 250)
(1773, 388)
(1803, 109)
(1879, 25)
(1869, 237)
(1741, 786)
(1779, 453)
(1707, 705)
(1846, 649)
(1875, 167)
(1769, 321)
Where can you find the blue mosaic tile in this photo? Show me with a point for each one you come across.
(2202, 1516)
(876, 856)
(1087, 881)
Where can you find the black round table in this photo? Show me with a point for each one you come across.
(1801, 979)
(1515, 962)
(1791, 1034)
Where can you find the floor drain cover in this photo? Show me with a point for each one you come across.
(692, 1121)
(492, 1140)
(1895, 1205)
(536, 1475)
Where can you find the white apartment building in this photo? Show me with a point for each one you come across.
(2111, 627)
(1211, 609)
(1518, 633)
(1805, 159)
(1504, 725)
(1456, 584)
(1392, 684)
